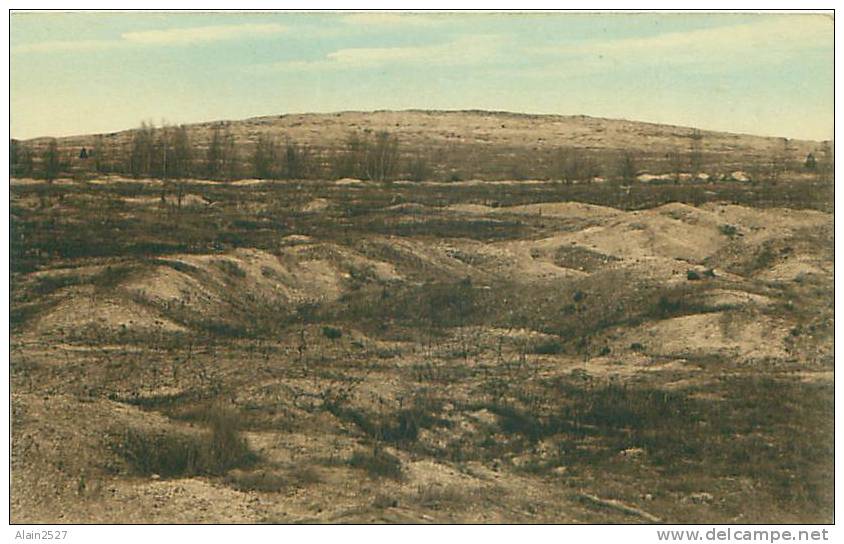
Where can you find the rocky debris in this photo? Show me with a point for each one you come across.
(700, 497)
(619, 506)
(740, 176)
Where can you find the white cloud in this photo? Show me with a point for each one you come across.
(367, 56)
(769, 37)
(390, 19)
(54, 46)
(201, 34)
(465, 50)
(170, 36)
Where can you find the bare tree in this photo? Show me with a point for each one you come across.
(297, 160)
(566, 164)
(418, 168)
(180, 163)
(230, 165)
(265, 158)
(627, 168)
(575, 165)
(221, 159)
(350, 161)
(675, 165)
(51, 162)
(375, 158)
(213, 157)
(162, 151)
(158, 162)
(696, 153)
(382, 157)
(51, 167)
(141, 154)
(826, 162)
(181, 154)
(14, 155)
(100, 155)
(779, 161)
(788, 152)
(20, 159)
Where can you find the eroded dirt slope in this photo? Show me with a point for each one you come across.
(601, 365)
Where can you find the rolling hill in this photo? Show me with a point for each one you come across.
(490, 145)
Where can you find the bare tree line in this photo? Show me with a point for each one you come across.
(169, 153)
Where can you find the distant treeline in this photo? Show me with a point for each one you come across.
(168, 152)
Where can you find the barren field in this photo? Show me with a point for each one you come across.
(465, 352)
(479, 144)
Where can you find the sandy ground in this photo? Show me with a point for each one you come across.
(69, 390)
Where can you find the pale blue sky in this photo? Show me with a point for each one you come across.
(100, 72)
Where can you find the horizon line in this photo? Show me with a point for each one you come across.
(423, 110)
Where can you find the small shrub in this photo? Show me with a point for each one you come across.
(110, 276)
(764, 258)
(419, 169)
(386, 353)
(44, 285)
(438, 496)
(268, 272)
(166, 454)
(728, 230)
(397, 427)
(332, 333)
(676, 303)
(360, 276)
(226, 448)
(177, 454)
(272, 481)
(231, 268)
(178, 265)
(385, 501)
(259, 480)
(378, 464)
(548, 347)
(107, 278)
